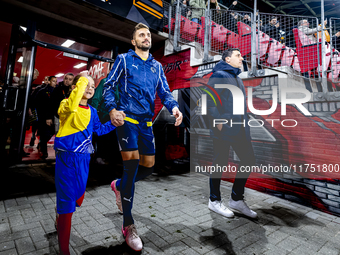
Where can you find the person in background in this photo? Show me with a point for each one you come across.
(197, 10)
(21, 97)
(247, 20)
(35, 74)
(272, 28)
(188, 12)
(106, 152)
(73, 85)
(225, 136)
(32, 107)
(229, 19)
(303, 25)
(184, 5)
(231, 4)
(61, 92)
(98, 103)
(46, 81)
(216, 14)
(259, 25)
(45, 115)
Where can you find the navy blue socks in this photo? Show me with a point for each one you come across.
(131, 174)
(127, 189)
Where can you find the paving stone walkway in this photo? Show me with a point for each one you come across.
(172, 217)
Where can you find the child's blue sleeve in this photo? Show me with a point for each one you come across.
(99, 128)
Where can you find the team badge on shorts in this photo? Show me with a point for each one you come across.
(153, 69)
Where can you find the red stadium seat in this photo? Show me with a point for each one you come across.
(200, 34)
(244, 39)
(296, 64)
(243, 29)
(264, 44)
(203, 22)
(218, 36)
(188, 29)
(327, 57)
(262, 41)
(307, 52)
(287, 56)
(334, 75)
(274, 52)
(172, 26)
(232, 39)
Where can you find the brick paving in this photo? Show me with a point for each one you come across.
(172, 217)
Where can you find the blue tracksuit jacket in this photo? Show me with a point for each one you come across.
(137, 81)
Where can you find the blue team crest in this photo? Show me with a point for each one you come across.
(153, 69)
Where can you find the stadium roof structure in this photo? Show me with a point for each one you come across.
(297, 7)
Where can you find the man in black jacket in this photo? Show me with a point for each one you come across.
(235, 133)
(45, 115)
(273, 28)
(32, 106)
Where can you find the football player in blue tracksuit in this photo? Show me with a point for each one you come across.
(138, 77)
(73, 145)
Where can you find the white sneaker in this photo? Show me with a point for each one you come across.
(242, 207)
(220, 208)
(131, 237)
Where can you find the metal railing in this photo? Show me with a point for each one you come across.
(289, 41)
(167, 8)
(278, 41)
(334, 40)
(182, 28)
(225, 32)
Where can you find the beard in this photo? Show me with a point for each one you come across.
(142, 47)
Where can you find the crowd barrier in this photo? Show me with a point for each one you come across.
(280, 40)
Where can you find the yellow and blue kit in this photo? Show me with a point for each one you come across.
(73, 145)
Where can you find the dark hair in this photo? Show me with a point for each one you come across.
(228, 53)
(137, 27)
(51, 77)
(69, 74)
(75, 80)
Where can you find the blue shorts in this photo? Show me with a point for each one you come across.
(136, 134)
(71, 174)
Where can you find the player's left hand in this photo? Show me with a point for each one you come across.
(178, 115)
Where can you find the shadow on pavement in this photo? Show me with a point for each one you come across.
(120, 249)
(52, 239)
(26, 180)
(219, 239)
(280, 216)
(38, 179)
